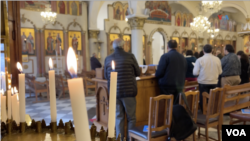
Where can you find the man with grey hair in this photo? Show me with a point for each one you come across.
(94, 62)
(128, 69)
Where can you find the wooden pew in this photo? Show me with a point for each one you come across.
(190, 84)
(37, 87)
(87, 80)
(61, 85)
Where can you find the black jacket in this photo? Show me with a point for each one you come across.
(244, 76)
(95, 63)
(127, 68)
(171, 70)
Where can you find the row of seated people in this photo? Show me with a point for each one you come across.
(219, 102)
(38, 87)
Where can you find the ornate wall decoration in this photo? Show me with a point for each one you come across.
(184, 20)
(28, 41)
(126, 28)
(115, 27)
(56, 22)
(93, 33)
(159, 11)
(120, 10)
(136, 23)
(189, 19)
(54, 42)
(178, 19)
(184, 34)
(228, 37)
(223, 24)
(74, 23)
(234, 38)
(176, 34)
(127, 43)
(74, 38)
(192, 35)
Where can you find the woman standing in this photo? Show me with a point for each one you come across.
(244, 67)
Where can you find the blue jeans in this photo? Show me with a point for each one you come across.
(123, 105)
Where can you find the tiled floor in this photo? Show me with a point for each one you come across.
(39, 111)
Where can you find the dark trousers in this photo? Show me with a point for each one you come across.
(174, 92)
(205, 88)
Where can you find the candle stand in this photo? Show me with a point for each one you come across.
(37, 127)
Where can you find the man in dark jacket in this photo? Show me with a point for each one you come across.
(128, 69)
(171, 72)
(94, 62)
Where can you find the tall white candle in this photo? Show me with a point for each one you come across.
(18, 109)
(14, 106)
(77, 97)
(21, 84)
(3, 107)
(9, 103)
(112, 102)
(52, 92)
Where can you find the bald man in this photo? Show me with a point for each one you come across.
(127, 69)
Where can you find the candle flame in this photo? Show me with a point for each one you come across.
(17, 97)
(19, 67)
(113, 65)
(50, 64)
(12, 91)
(71, 62)
(9, 87)
(2, 92)
(15, 90)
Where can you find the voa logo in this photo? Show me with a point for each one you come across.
(236, 132)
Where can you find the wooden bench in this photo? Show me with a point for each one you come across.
(61, 85)
(37, 87)
(87, 80)
(191, 84)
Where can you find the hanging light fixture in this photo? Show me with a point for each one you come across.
(200, 24)
(213, 32)
(47, 15)
(211, 6)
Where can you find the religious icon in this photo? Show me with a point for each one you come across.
(58, 43)
(75, 43)
(211, 20)
(178, 19)
(54, 42)
(50, 42)
(192, 44)
(247, 44)
(216, 23)
(223, 23)
(159, 10)
(28, 41)
(112, 37)
(61, 7)
(127, 43)
(118, 11)
(230, 25)
(74, 8)
(184, 20)
(30, 44)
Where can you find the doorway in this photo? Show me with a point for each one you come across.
(158, 48)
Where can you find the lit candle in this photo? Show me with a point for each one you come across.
(112, 102)
(77, 97)
(3, 107)
(14, 104)
(9, 102)
(18, 109)
(52, 91)
(21, 83)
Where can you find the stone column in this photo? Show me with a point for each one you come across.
(38, 52)
(42, 52)
(136, 25)
(84, 51)
(93, 35)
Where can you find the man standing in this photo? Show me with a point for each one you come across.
(208, 69)
(231, 67)
(94, 62)
(218, 54)
(171, 72)
(128, 69)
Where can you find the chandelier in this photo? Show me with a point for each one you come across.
(200, 24)
(47, 15)
(213, 32)
(211, 6)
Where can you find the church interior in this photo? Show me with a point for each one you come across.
(46, 38)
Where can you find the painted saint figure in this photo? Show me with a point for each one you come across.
(30, 44)
(178, 21)
(50, 42)
(184, 22)
(75, 42)
(58, 43)
(74, 8)
(247, 45)
(23, 38)
(118, 13)
(61, 6)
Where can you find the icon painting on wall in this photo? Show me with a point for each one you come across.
(54, 42)
(28, 41)
(247, 44)
(75, 41)
(127, 43)
(118, 11)
(178, 19)
(159, 10)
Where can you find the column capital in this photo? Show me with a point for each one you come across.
(136, 22)
(93, 33)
